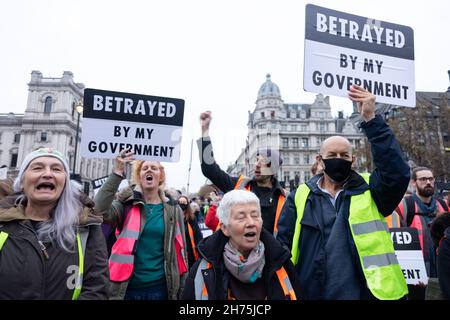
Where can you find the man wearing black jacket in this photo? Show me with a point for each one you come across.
(263, 184)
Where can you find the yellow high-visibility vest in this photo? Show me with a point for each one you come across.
(81, 246)
(372, 239)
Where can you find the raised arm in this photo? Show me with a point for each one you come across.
(111, 209)
(210, 168)
(390, 179)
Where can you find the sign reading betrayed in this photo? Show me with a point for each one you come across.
(409, 254)
(342, 49)
(150, 126)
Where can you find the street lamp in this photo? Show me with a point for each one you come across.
(79, 109)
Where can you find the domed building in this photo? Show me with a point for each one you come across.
(269, 89)
(296, 129)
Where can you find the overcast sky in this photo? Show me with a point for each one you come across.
(213, 54)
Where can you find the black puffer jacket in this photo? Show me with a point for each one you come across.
(27, 273)
(216, 279)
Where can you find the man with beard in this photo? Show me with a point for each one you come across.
(334, 223)
(264, 184)
(418, 211)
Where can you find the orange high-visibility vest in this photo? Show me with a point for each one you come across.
(280, 204)
(121, 261)
(393, 220)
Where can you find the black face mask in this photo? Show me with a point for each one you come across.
(183, 206)
(337, 169)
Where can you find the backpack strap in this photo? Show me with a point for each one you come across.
(442, 203)
(410, 210)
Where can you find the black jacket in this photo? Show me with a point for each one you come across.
(268, 198)
(27, 274)
(216, 280)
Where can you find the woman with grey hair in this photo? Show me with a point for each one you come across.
(51, 243)
(241, 261)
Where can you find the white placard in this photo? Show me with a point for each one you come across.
(3, 173)
(409, 254)
(342, 49)
(149, 126)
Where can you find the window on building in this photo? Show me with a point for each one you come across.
(306, 158)
(320, 141)
(286, 159)
(321, 114)
(44, 136)
(71, 141)
(296, 160)
(284, 127)
(322, 127)
(13, 162)
(294, 127)
(262, 126)
(48, 105)
(303, 128)
(272, 114)
(262, 114)
(294, 142)
(273, 126)
(307, 175)
(286, 176)
(305, 143)
(357, 143)
(285, 142)
(297, 177)
(17, 138)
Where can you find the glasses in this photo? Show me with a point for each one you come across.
(425, 179)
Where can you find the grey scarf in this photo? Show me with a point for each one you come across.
(247, 270)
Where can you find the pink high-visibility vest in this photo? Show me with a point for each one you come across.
(121, 261)
(179, 247)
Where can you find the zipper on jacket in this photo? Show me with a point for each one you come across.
(44, 249)
(44, 271)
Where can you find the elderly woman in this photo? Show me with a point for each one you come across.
(148, 260)
(51, 243)
(241, 260)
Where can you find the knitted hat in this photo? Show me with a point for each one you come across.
(41, 152)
